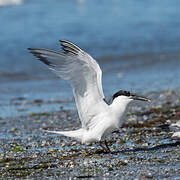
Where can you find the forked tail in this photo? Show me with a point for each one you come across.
(77, 134)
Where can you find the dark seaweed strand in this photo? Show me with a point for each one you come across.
(121, 93)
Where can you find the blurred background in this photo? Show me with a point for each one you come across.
(137, 44)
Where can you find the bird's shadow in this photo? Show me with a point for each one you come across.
(155, 148)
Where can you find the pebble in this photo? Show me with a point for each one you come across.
(62, 145)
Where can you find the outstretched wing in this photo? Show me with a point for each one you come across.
(83, 72)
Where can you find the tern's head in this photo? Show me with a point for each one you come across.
(127, 97)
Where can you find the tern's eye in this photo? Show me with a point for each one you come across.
(127, 93)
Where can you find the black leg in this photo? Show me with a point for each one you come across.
(106, 149)
(106, 144)
(100, 143)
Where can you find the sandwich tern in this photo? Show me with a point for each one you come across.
(98, 118)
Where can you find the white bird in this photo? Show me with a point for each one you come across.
(98, 118)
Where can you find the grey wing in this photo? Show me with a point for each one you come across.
(81, 70)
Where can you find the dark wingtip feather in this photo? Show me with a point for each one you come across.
(68, 46)
(39, 57)
(31, 49)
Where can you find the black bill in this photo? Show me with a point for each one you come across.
(140, 98)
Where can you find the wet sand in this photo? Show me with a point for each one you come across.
(142, 148)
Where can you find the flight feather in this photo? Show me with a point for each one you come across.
(81, 70)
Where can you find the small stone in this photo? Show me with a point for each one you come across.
(84, 153)
(51, 149)
(85, 162)
(71, 164)
(145, 144)
(7, 165)
(62, 145)
(43, 143)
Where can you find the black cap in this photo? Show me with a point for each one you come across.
(121, 93)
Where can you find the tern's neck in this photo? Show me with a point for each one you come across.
(119, 105)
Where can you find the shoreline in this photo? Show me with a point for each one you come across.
(142, 148)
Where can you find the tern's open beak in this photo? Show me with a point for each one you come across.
(140, 98)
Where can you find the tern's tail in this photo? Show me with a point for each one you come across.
(77, 134)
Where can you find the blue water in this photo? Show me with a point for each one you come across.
(137, 44)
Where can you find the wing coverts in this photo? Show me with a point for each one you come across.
(81, 70)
